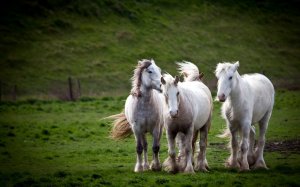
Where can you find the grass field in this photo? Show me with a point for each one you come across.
(46, 143)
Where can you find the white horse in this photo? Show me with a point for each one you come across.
(188, 109)
(143, 113)
(248, 99)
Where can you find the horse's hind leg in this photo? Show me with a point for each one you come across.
(202, 164)
(145, 148)
(155, 164)
(259, 153)
(251, 154)
(196, 132)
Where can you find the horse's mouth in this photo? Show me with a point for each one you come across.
(222, 100)
(174, 117)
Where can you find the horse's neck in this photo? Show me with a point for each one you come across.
(147, 94)
(183, 103)
(237, 92)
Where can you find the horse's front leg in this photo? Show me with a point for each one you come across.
(171, 161)
(188, 150)
(245, 146)
(155, 164)
(181, 158)
(232, 160)
(139, 151)
(251, 155)
(145, 149)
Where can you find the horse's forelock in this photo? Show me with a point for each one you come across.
(222, 68)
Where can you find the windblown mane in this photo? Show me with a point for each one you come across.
(189, 71)
(137, 77)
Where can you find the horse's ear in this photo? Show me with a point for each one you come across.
(236, 65)
(184, 74)
(162, 80)
(201, 76)
(152, 61)
(176, 80)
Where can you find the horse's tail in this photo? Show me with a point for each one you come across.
(121, 128)
(190, 71)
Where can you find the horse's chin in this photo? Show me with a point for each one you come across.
(222, 100)
(158, 89)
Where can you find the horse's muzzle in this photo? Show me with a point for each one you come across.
(222, 98)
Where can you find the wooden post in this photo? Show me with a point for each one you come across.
(79, 88)
(0, 91)
(14, 93)
(70, 89)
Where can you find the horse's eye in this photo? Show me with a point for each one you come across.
(177, 93)
(149, 71)
(230, 77)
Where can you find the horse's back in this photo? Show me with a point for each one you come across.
(263, 92)
(199, 97)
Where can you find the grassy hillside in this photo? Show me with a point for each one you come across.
(42, 43)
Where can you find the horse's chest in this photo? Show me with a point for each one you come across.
(146, 114)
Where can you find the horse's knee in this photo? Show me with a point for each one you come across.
(244, 147)
(155, 148)
(145, 146)
(172, 153)
(139, 149)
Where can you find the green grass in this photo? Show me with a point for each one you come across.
(66, 143)
(100, 42)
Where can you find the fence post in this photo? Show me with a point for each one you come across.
(79, 88)
(0, 91)
(14, 93)
(70, 89)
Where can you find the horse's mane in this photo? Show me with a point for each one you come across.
(221, 68)
(189, 71)
(137, 77)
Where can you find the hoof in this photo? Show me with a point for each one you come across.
(241, 170)
(172, 169)
(145, 167)
(260, 164)
(189, 171)
(202, 167)
(155, 166)
(232, 165)
(251, 160)
(138, 168)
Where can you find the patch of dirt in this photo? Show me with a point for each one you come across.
(270, 146)
(283, 146)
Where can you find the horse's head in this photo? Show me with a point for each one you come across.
(226, 74)
(171, 93)
(151, 75)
